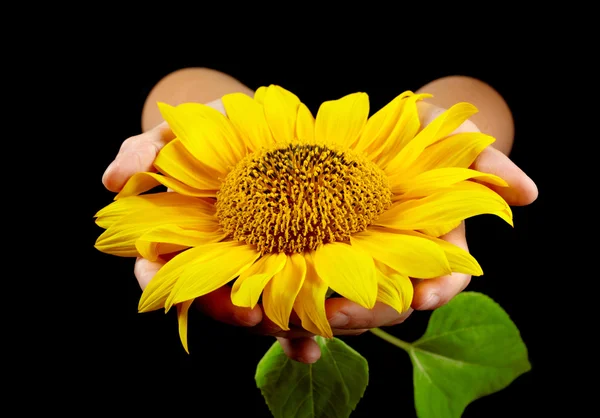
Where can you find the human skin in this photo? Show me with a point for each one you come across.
(203, 85)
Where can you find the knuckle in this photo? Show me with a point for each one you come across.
(143, 155)
(366, 320)
(129, 142)
(144, 143)
(139, 159)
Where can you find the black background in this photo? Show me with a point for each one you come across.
(125, 361)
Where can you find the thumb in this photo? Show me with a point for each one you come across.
(521, 188)
(137, 154)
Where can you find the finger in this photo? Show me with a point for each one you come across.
(268, 327)
(137, 154)
(429, 112)
(305, 349)
(433, 293)
(383, 314)
(144, 270)
(345, 314)
(217, 305)
(521, 189)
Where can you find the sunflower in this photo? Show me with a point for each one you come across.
(287, 206)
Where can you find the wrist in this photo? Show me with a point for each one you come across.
(199, 85)
(494, 117)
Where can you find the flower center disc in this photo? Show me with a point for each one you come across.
(292, 198)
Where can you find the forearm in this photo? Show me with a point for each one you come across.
(494, 117)
(200, 85)
(203, 85)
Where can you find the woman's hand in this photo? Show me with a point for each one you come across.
(137, 154)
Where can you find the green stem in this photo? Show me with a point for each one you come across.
(391, 339)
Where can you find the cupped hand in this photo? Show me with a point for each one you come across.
(137, 154)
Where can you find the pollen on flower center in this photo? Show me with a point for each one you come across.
(294, 197)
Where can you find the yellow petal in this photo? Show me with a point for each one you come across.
(408, 255)
(116, 210)
(380, 126)
(431, 181)
(248, 117)
(438, 129)
(280, 293)
(216, 269)
(222, 124)
(177, 162)
(394, 289)
(438, 231)
(310, 302)
(281, 109)
(155, 294)
(182, 319)
(458, 150)
(460, 260)
(305, 124)
(451, 205)
(259, 94)
(142, 182)
(167, 239)
(248, 287)
(348, 271)
(341, 121)
(404, 131)
(121, 237)
(201, 135)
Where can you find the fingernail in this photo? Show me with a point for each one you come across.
(431, 302)
(339, 320)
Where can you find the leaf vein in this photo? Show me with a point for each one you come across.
(455, 331)
(416, 359)
(293, 388)
(346, 389)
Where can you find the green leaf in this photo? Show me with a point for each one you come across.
(331, 387)
(470, 349)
